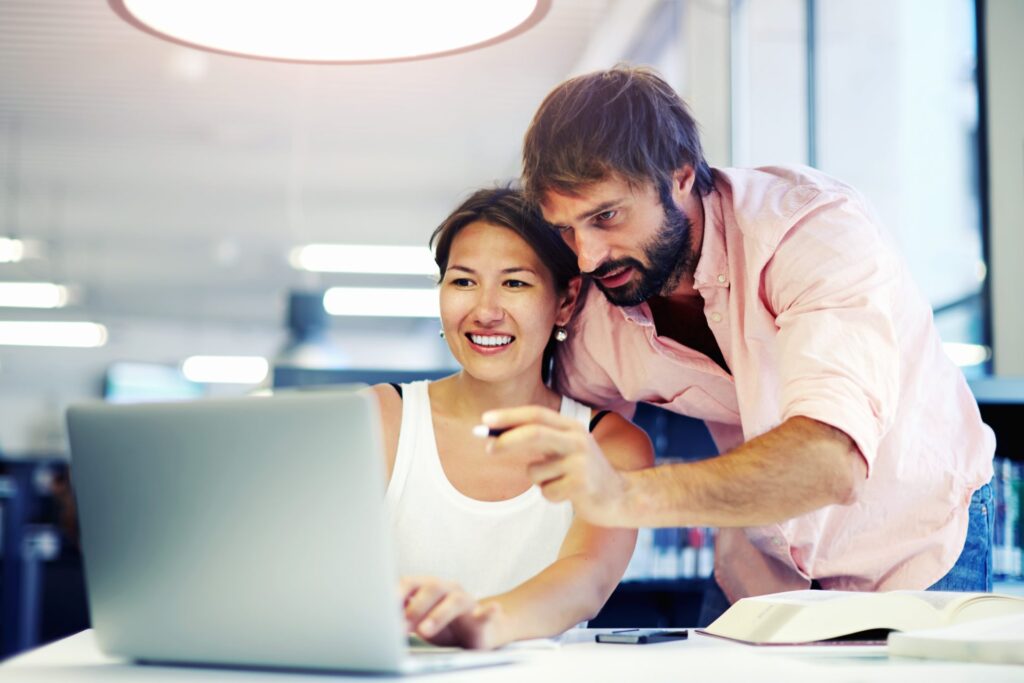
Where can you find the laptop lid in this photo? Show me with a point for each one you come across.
(244, 531)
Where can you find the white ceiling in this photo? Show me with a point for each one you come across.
(170, 183)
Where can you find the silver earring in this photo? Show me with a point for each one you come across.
(561, 334)
(440, 333)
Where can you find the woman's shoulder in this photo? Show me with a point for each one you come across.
(389, 401)
(386, 391)
(627, 446)
(389, 405)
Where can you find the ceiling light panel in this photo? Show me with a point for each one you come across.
(32, 295)
(363, 258)
(333, 31)
(382, 302)
(52, 333)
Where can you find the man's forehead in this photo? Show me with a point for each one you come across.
(569, 203)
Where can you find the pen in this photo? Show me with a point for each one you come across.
(483, 431)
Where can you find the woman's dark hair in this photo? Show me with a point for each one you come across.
(507, 207)
(626, 120)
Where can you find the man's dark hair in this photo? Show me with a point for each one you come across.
(626, 120)
(507, 207)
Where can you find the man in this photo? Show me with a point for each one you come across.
(768, 303)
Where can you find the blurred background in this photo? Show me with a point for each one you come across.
(162, 194)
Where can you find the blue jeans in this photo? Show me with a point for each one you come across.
(972, 571)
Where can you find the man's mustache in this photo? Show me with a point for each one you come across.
(606, 269)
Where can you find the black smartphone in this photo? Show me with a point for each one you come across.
(641, 636)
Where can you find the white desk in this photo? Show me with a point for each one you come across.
(76, 659)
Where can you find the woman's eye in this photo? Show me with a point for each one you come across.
(515, 284)
(461, 281)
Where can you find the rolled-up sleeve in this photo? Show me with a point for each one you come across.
(831, 284)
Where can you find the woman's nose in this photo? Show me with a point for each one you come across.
(488, 306)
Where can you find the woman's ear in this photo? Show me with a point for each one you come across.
(568, 303)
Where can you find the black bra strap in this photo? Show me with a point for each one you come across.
(398, 388)
(597, 418)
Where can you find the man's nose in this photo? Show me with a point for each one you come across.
(590, 250)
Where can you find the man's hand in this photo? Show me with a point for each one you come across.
(568, 464)
(442, 613)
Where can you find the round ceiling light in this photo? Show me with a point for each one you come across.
(333, 31)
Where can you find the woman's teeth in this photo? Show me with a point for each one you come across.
(490, 340)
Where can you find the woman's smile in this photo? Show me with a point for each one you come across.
(489, 343)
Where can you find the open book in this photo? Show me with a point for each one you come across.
(801, 617)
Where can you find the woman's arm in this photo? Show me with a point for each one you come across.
(572, 589)
(591, 561)
(389, 403)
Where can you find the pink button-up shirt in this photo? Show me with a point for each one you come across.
(816, 315)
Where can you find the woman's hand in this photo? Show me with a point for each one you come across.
(442, 613)
(568, 465)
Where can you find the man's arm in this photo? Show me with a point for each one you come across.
(799, 466)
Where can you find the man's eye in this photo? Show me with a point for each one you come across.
(563, 228)
(606, 215)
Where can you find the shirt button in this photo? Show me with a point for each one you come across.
(716, 317)
(722, 279)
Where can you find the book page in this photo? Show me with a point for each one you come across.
(807, 597)
(806, 616)
(940, 600)
(956, 606)
(809, 615)
(986, 605)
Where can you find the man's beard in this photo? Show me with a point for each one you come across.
(668, 255)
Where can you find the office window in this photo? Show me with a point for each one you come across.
(769, 83)
(881, 94)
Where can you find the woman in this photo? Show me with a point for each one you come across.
(485, 558)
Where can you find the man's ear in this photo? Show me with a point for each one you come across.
(568, 304)
(683, 180)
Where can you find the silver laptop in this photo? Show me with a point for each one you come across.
(243, 532)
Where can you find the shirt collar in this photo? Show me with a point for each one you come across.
(712, 266)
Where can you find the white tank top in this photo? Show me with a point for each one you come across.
(487, 547)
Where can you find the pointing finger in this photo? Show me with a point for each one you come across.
(512, 417)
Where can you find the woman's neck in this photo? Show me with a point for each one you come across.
(467, 396)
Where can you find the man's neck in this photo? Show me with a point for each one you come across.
(685, 292)
(679, 315)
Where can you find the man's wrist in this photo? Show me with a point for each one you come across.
(629, 510)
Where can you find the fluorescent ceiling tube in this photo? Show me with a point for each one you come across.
(11, 250)
(363, 258)
(966, 355)
(382, 302)
(226, 369)
(52, 333)
(32, 295)
(332, 31)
